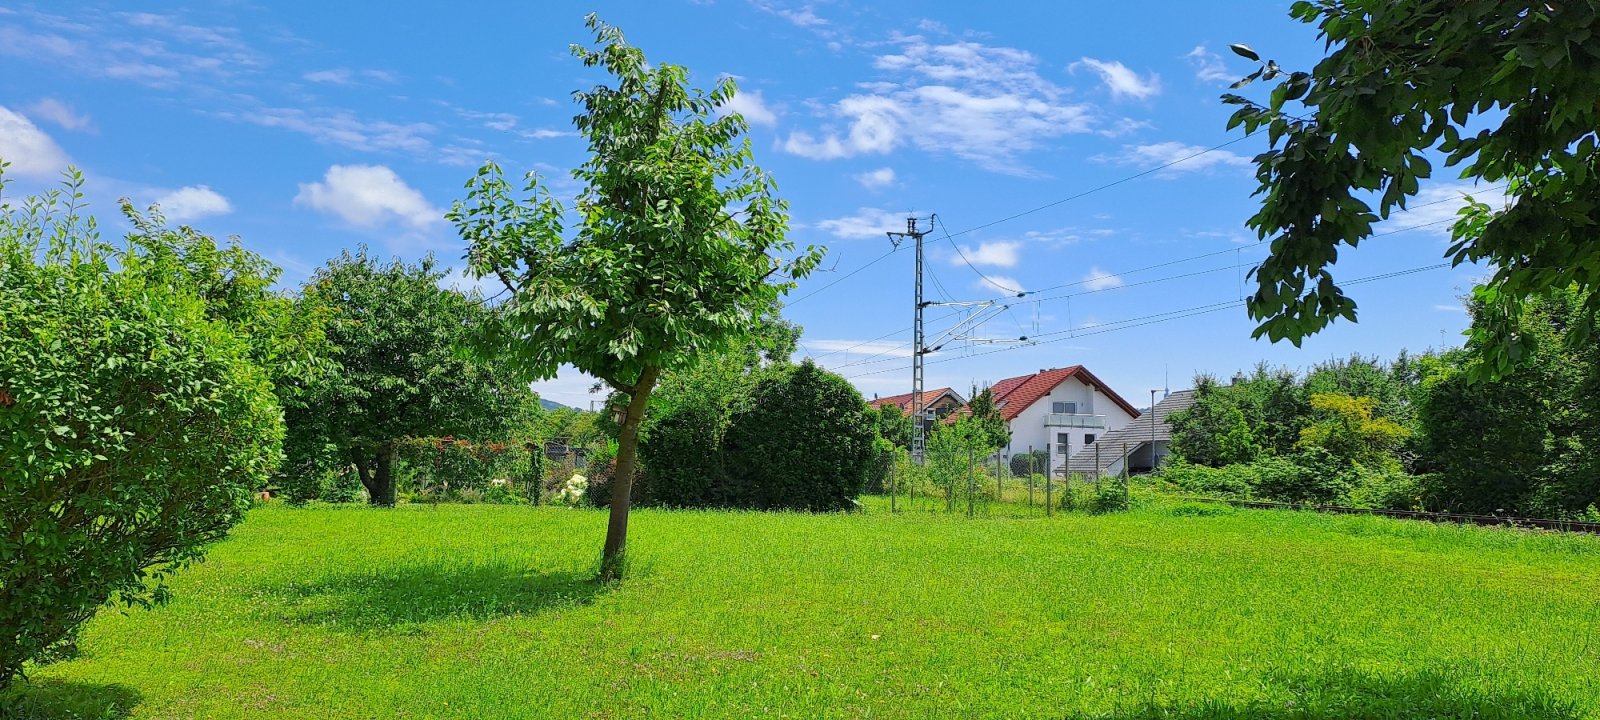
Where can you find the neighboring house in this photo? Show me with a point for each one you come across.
(1059, 411)
(942, 401)
(1146, 441)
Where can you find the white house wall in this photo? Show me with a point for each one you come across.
(1028, 428)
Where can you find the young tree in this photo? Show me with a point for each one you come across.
(1406, 77)
(396, 334)
(677, 250)
(989, 425)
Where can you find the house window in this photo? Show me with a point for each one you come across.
(1064, 408)
(1088, 438)
(1063, 442)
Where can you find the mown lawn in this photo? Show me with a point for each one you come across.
(487, 612)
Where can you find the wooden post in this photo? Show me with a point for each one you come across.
(1049, 481)
(972, 476)
(999, 487)
(1030, 477)
(1098, 468)
(894, 490)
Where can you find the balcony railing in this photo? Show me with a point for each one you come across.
(1074, 421)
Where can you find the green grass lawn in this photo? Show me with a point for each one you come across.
(487, 612)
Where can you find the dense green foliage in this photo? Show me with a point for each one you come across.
(487, 612)
(679, 251)
(1503, 88)
(732, 431)
(803, 441)
(1333, 436)
(396, 337)
(135, 421)
(1530, 443)
(1417, 433)
(442, 468)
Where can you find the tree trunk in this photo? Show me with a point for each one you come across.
(364, 474)
(612, 559)
(383, 475)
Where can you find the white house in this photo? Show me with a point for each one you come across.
(1060, 411)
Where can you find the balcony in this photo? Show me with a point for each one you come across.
(1074, 421)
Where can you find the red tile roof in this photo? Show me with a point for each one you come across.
(903, 400)
(1019, 392)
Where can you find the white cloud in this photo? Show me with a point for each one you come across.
(1180, 157)
(804, 17)
(999, 283)
(1209, 66)
(859, 348)
(342, 128)
(368, 196)
(1122, 82)
(545, 133)
(749, 104)
(346, 76)
(160, 51)
(30, 152)
(1435, 207)
(1456, 308)
(996, 254)
(866, 223)
(876, 179)
(1098, 279)
(192, 203)
(981, 103)
(61, 114)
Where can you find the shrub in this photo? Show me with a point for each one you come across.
(1309, 476)
(1231, 481)
(133, 429)
(1109, 497)
(804, 442)
(448, 464)
(1385, 489)
(1024, 464)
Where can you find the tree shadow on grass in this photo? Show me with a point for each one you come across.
(1351, 695)
(46, 699)
(409, 596)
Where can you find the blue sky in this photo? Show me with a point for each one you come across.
(304, 128)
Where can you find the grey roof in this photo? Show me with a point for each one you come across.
(1135, 435)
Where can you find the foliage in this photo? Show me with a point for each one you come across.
(1529, 443)
(678, 252)
(443, 464)
(1213, 431)
(1348, 431)
(803, 441)
(956, 450)
(134, 421)
(396, 334)
(1503, 89)
(893, 425)
(990, 426)
(1023, 464)
(1422, 610)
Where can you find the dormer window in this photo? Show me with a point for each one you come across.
(1064, 408)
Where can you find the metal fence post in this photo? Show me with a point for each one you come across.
(1049, 481)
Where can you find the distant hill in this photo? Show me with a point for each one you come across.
(552, 405)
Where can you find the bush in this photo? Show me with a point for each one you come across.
(1232, 481)
(804, 442)
(447, 465)
(1385, 489)
(1023, 464)
(1109, 497)
(1309, 476)
(133, 429)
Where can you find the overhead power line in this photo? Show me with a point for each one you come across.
(1140, 321)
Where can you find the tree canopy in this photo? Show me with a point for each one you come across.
(1505, 90)
(678, 247)
(396, 336)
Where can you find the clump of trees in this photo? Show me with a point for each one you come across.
(137, 409)
(1416, 433)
